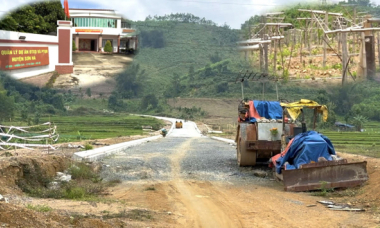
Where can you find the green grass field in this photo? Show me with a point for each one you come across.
(73, 128)
(364, 143)
(76, 128)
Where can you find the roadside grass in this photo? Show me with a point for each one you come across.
(86, 184)
(39, 208)
(136, 214)
(150, 188)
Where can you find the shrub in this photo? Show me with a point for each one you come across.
(337, 66)
(88, 147)
(74, 46)
(52, 79)
(82, 171)
(39, 208)
(75, 193)
(108, 47)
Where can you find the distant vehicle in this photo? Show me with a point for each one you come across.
(163, 132)
(178, 124)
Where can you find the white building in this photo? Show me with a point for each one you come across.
(92, 28)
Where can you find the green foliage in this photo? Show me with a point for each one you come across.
(115, 102)
(221, 87)
(131, 82)
(52, 79)
(337, 66)
(99, 126)
(88, 92)
(285, 52)
(324, 190)
(73, 46)
(40, 18)
(215, 57)
(369, 107)
(149, 101)
(108, 47)
(84, 185)
(8, 23)
(7, 105)
(191, 43)
(154, 39)
(51, 11)
(88, 147)
(359, 121)
(39, 208)
(36, 118)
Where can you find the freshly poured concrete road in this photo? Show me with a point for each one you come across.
(189, 130)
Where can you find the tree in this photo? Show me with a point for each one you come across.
(51, 11)
(154, 38)
(115, 102)
(7, 105)
(221, 87)
(149, 101)
(359, 121)
(8, 23)
(108, 47)
(131, 82)
(215, 57)
(40, 18)
(88, 92)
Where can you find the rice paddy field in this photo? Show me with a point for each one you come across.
(75, 128)
(364, 143)
(88, 127)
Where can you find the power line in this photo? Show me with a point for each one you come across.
(223, 3)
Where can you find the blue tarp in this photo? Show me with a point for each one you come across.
(306, 147)
(339, 124)
(268, 109)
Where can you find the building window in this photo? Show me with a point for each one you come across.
(94, 22)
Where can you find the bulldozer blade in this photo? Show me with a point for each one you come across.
(328, 174)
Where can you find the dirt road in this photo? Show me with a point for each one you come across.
(196, 181)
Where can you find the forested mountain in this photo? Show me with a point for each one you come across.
(175, 48)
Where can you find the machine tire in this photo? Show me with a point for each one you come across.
(244, 157)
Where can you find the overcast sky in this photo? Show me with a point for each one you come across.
(231, 12)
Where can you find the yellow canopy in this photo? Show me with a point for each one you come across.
(294, 109)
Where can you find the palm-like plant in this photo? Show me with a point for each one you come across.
(359, 121)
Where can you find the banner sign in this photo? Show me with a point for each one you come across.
(13, 58)
(128, 30)
(89, 30)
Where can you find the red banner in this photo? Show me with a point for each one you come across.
(89, 30)
(13, 58)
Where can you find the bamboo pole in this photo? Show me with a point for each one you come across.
(378, 47)
(324, 43)
(344, 58)
(364, 57)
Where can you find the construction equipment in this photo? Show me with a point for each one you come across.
(262, 138)
(178, 124)
(254, 139)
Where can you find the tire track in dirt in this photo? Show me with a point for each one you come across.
(202, 211)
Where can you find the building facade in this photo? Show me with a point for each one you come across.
(92, 28)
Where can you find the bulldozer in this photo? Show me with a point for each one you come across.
(267, 129)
